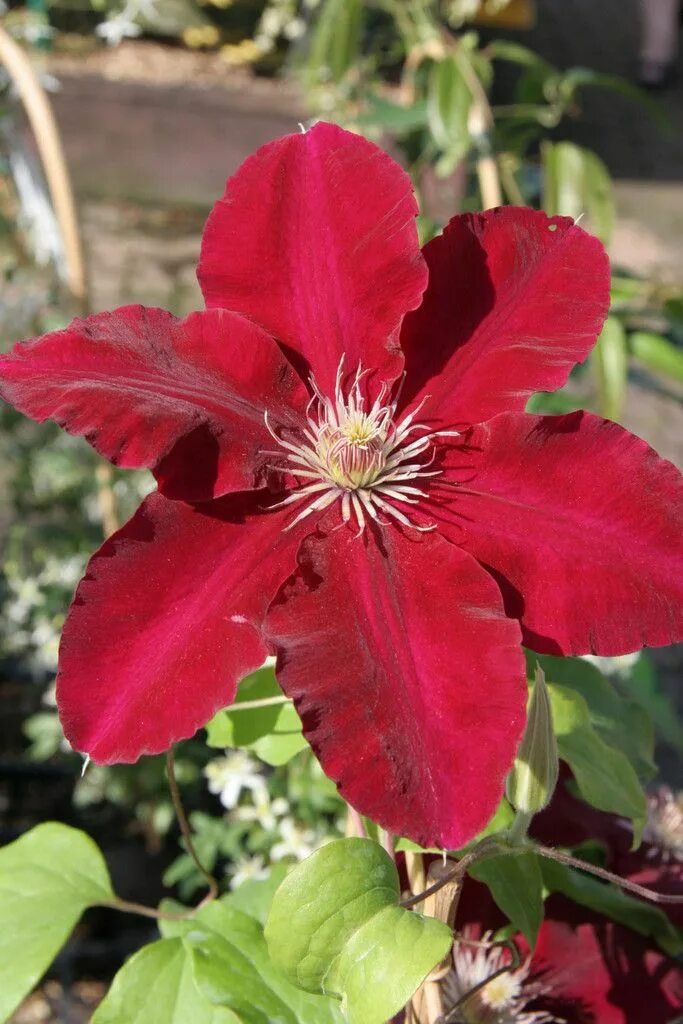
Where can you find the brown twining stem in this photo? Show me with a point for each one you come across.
(129, 907)
(515, 960)
(640, 890)
(186, 831)
(483, 849)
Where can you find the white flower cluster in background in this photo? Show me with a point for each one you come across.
(125, 23)
(29, 627)
(239, 782)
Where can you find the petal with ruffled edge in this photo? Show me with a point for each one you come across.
(165, 622)
(185, 398)
(515, 299)
(315, 239)
(581, 524)
(410, 682)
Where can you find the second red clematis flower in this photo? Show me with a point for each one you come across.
(347, 478)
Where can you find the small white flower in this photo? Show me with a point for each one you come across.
(115, 30)
(295, 841)
(262, 810)
(294, 29)
(248, 869)
(229, 776)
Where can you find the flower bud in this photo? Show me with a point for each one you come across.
(533, 778)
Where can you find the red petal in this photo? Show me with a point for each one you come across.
(596, 970)
(514, 300)
(410, 683)
(183, 397)
(315, 239)
(162, 625)
(580, 522)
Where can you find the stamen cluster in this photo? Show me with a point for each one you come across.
(353, 451)
(480, 990)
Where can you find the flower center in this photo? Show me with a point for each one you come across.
(353, 451)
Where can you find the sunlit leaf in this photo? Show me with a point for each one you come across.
(335, 926)
(156, 986)
(47, 879)
(232, 968)
(273, 731)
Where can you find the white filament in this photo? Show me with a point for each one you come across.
(354, 452)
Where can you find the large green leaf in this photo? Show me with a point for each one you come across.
(610, 358)
(604, 775)
(577, 182)
(516, 884)
(272, 731)
(335, 926)
(156, 986)
(607, 899)
(448, 104)
(657, 353)
(232, 968)
(335, 39)
(620, 721)
(47, 879)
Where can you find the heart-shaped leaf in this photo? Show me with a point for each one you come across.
(335, 927)
(47, 879)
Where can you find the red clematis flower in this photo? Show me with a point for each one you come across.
(347, 478)
(585, 969)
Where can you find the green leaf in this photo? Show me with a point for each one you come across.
(657, 353)
(393, 117)
(232, 968)
(604, 775)
(47, 879)
(577, 182)
(613, 903)
(255, 897)
(516, 884)
(580, 78)
(273, 732)
(335, 40)
(643, 684)
(335, 926)
(620, 721)
(610, 359)
(515, 53)
(448, 105)
(156, 986)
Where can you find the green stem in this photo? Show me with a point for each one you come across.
(519, 828)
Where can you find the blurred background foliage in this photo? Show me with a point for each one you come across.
(477, 120)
